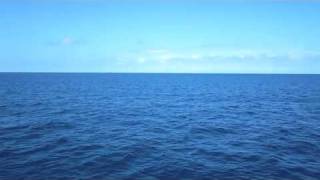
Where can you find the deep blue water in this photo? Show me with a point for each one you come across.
(159, 126)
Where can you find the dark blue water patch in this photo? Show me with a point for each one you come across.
(159, 126)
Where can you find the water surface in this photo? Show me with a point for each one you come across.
(159, 126)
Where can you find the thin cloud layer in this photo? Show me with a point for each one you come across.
(65, 41)
(166, 55)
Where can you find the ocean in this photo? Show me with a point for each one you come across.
(159, 126)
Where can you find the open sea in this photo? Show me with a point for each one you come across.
(159, 126)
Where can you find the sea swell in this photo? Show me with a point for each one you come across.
(159, 126)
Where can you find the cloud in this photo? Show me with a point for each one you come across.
(164, 56)
(223, 60)
(65, 41)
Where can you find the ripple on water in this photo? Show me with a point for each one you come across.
(118, 126)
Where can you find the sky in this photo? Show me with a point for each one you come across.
(176, 36)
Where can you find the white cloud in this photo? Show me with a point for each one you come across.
(216, 56)
(67, 41)
(165, 55)
(220, 60)
(141, 59)
(157, 51)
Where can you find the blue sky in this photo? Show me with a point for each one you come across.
(194, 36)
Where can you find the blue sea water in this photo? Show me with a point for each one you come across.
(159, 126)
